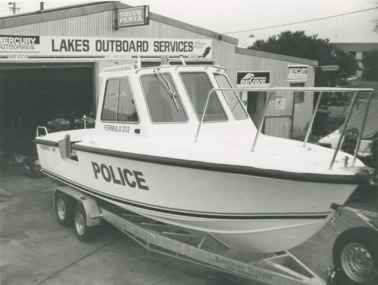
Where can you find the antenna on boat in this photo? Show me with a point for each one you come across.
(138, 64)
(182, 60)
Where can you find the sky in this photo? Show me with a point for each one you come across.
(231, 17)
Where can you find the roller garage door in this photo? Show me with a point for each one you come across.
(31, 95)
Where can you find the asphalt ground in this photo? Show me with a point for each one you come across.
(36, 249)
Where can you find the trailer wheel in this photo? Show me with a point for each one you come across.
(355, 256)
(82, 230)
(64, 206)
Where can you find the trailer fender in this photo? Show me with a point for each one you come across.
(93, 214)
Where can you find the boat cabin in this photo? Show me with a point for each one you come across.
(169, 101)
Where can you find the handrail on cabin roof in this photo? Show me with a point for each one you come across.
(118, 68)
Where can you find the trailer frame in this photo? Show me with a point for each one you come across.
(197, 247)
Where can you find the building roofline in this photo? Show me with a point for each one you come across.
(264, 54)
(98, 7)
(54, 14)
(194, 29)
(354, 43)
(357, 46)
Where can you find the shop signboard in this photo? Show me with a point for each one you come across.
(253, 79)
(297, 73)
(134, 16)
(13, 47)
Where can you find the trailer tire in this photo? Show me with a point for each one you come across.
(355, 256)
(64, 207)
(83, 232)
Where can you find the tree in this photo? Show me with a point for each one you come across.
(370, 62)
(310, 47)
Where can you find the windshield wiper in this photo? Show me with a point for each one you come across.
(167, 86)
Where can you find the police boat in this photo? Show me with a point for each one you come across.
(175, 144)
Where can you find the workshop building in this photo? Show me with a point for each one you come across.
(50, 61)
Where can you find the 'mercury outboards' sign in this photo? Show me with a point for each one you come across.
(297, 73)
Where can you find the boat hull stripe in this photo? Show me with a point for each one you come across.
(218, 216)
(235, 169)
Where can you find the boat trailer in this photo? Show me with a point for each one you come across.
(86, 212)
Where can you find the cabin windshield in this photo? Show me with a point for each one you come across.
(198, 85)
(232, 99)
(163, 101)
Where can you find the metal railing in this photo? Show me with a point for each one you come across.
(321, 90)
(39, 129)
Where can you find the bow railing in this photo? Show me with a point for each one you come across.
(321, 90)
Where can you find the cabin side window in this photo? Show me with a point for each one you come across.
(233, 101)
(198, 85)
(119, 104)
(163, 101)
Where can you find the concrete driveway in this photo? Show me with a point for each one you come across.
(35, 249)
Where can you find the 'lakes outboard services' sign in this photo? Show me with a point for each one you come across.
(13, 47)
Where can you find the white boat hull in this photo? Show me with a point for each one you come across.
(261, 214)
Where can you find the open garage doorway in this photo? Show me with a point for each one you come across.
(32, 95)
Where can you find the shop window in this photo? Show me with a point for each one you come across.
(163, 101)
(119, 104)
(353, 54)
(298, 96)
